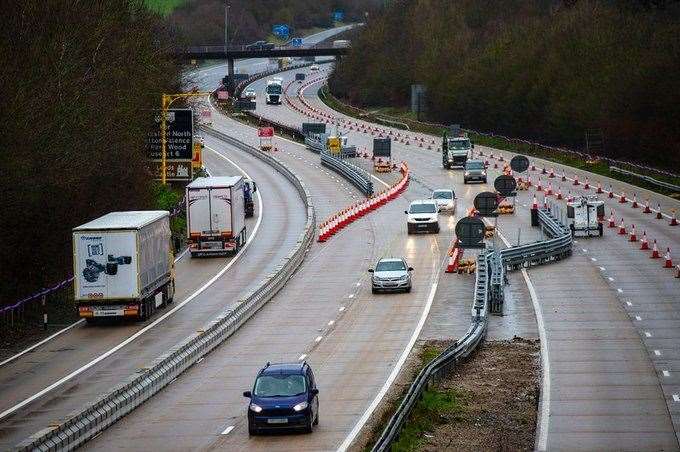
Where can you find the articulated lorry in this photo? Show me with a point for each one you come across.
(273, 92)
(456, 148)
(123, 265)
(216, 211)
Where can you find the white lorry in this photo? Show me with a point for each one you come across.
(123, 265)
(341, 44)
(273, 92)
(586, 215)
(456, 147)
(216, 217)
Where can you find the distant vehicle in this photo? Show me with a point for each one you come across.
(391, 275)
(123, 265)
(273, 92)
(474, 170)
(215, 215)
(422, 215)
(250, 94)
(341, 44)
(445, 199)
(456, 148)
(284, 396)
(586, 215)
(249, 189)
(314, 67)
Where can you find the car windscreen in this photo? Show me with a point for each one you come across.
(423, 208)
(274, 89)
(280, 385)
(474, 165)
(442, 195)
(390, 266)
(459, 144)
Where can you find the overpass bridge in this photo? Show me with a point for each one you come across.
(231, 53)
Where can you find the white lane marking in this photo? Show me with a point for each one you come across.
(602, 269)
(318, 339)
(358, 284)
(619, 290)
(331, 322)
(351, 295)
(593, 259)
(341, 308)
(585, 250)
(638, 318)
(648, 334)
(666, 373)
(228, 430)
(395, 371)
(47, 339)
(676, 398)
(132, 338)
(58, 333)
(629, 303)
(657, 352)
(610, 278)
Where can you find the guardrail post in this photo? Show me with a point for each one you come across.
(44, 311)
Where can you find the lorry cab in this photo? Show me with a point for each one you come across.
(456, 151)
(273, 92)
(249, 189)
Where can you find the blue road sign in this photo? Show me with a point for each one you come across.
(296, 42)
(281, 30)
(338, 15)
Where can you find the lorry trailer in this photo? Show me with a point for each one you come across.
(216, 215)
(123, 265)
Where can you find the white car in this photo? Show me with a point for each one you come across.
(250, 94)
(314, 67)
(445, 199)
(422, 215)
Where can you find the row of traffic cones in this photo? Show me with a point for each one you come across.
(352, 213)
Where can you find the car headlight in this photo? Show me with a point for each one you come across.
(403, 278)
(484, 173)
(467, 173)
(255, 408)
(300, 406)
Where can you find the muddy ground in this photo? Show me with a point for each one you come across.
(488, 403)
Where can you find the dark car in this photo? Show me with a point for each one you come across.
(284, 396)
(474, 170)
(257, 45)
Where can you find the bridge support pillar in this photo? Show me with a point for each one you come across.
(230, 75)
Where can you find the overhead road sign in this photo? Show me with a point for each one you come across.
(180, 135)
(313, 127)
(244, 104)
(382, 147)
(265, 132)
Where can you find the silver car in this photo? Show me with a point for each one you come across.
(474, 170)
(392, 274)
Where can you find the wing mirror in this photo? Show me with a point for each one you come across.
(370, 270)
(314, 391)
(247, 394)
(406, 212)
(410, 269)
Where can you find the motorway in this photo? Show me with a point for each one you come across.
(609, 314)
(607, 317)
(327, 315)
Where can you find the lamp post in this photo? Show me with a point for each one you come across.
(166, 101)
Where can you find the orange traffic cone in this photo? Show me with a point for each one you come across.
(644, 244)
(564, 176)
(552, 173)
(586, 186)
(659, 215)
(635, 204)
(550, 189)
(599, 188)
(611, 191)
(576, 179)
(534, 205)
(669, 261)
(612, 222)
(559, 192)
(655, 251)
(622, 198)
(647, 209)
(674, 220)
(633, 235)
(539, 186)
(622, 228)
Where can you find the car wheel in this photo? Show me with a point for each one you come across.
(374, 290)
(310, 426)
(436, 229)
(251, 430)
(464, 181)
(408, 289)
(485, 180)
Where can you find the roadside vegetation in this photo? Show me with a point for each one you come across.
(252, 20)
(79, 84)
(544, 70)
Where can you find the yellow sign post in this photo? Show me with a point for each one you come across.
(333, 144)
(197, 159)
(166, 101)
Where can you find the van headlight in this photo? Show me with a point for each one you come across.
(255, 408)
(300, 406)
(467, 173)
